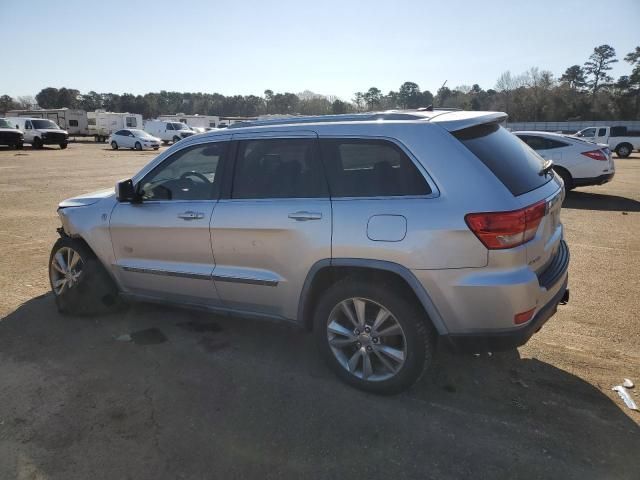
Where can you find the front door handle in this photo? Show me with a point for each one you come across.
(191, 215)
(304, 216)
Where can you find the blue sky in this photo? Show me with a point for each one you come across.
(330, 47)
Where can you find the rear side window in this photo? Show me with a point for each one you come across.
(278, 168)
(370, 168)
(515, 165)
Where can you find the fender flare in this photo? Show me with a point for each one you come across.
(406, 274)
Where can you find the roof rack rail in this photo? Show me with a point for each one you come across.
(347, 117)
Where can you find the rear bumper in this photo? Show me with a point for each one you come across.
(602, 179)
(509, 338)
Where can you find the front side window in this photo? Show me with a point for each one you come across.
(190, 174)
(169, 126)
(370, 168)
(589, 132)
(131, 122)
(278, 168)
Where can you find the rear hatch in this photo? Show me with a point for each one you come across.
(523, 173)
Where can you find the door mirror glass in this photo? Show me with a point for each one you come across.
(126, 192)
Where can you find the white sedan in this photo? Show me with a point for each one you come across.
(133, 138)
(578, 162)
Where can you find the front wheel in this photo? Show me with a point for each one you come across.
(63, 146)
(37, 143)
(373, 337)
(138, 146)
(114, 145)
(78, 280)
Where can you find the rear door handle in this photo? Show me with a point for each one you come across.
(190, 215)
(304, 216)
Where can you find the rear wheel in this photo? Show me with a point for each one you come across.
(567, 179)
(138, 146)
(624, 150)
(373, 337)
(78, 280)
(114, 145)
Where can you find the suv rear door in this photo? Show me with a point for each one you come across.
(273, 224)
(519, 168)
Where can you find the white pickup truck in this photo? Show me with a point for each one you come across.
(619, 139)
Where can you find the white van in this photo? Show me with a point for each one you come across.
(168, 131)
(40, 131)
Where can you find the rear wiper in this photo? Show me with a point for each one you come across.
(546, 167)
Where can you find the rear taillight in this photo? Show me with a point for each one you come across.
(498, 230)
(596, 155)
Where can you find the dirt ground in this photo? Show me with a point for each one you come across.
(229, 398)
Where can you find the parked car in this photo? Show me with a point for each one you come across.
(380, 232)
(619, 139)
(168, 131)
(102, 124)
(10, 135)
(578, 162)
(133, 138)
(40, 131)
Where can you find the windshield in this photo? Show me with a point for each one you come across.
(140, 133)
(180, 126)
(44, 124)
(5, 123)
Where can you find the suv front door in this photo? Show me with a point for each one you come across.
(162, 244)
(274, 224)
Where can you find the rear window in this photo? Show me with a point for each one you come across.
(512, 161)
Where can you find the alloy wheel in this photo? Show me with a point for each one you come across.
(65, 269)
(366, 339)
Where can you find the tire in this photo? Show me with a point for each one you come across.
(138, 146)
(624, 150)
(19, 146)
(165, 142)
(37, 143)
(88, 289)
(156, 148)
(416, 339)
(114, 145)
(63, 146)
(176, 139)
(566, 178)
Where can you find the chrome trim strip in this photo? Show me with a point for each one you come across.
(167, 273)
(251, 281)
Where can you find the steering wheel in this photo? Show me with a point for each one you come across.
(195, 174)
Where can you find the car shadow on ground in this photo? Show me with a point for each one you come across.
(599, 201)
(252, 399)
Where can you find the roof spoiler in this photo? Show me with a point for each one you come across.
(459, 120)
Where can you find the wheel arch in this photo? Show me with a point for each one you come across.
(328, 271)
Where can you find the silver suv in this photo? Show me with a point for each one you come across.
(380, 232)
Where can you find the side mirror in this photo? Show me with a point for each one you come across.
(126, 192)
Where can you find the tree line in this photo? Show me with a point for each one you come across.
(582, 92)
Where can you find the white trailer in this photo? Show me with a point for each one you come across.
(102, 123)
(197, 121)
(73, 121)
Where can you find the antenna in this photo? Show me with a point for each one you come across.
(445, 82)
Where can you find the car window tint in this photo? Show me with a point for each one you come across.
(551, 144)
(278, 168)
(190, 174)
(121, 132)
(602, 132)
(169, 126)
(516, 166)
(537, 143)
(370, 168)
